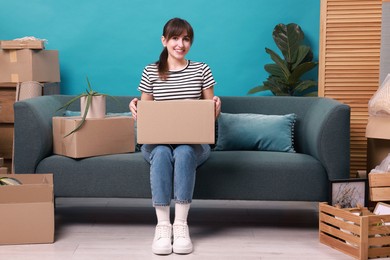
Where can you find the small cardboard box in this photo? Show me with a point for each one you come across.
(27, 210)
(98, 136)
(29, 65)
(176, 122)
(379, 186)
(22, 44)
(360, 236)
(378, 127)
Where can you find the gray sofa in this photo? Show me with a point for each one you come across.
(321, 140)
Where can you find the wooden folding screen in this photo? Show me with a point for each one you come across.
(349, 60)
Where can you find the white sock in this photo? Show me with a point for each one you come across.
(162, 213)
(181, 213)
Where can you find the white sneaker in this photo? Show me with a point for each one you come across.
(181, 239)
(162, 242)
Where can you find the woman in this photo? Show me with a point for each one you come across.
(173, 167)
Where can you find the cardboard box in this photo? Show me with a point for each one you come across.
(98, 136)
(176, 122)
(6, 140)
(377, 150)
(379, 186)
(27, 211)
(22, 44)
(7, 100)
(362, 237)
(378, 127)
(29, 65)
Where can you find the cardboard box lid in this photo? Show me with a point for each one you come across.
(378, 127)
(176, 122)
(35, 188)
(22, 44)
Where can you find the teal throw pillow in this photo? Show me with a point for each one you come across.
(78, 113)
(256, 132)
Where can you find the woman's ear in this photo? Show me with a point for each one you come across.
(163, 41)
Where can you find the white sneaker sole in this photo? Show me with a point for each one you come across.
(182, 250)
(162, 251)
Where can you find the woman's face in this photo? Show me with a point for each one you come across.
(177, 46)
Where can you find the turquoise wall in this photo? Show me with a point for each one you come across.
(111, 41)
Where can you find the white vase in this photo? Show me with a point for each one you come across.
(97, 109)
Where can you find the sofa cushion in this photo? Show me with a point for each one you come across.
(256, 132)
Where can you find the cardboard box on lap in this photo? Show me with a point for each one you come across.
(29, 65)
(27, 210)
(176, 122)
(98, 136)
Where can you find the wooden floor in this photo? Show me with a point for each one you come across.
(227, 230)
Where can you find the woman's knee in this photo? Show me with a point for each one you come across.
(185, 152)
(162, 152)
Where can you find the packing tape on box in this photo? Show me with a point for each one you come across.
(13, 57)
(15, 78)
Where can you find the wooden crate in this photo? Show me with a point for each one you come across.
(379, 186)
(362, 237)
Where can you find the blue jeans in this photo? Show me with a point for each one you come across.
(173, 168)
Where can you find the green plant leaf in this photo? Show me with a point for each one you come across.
(277, 86)
(87, 106)
(258, 89)
(305, 86)
(280, 62)
(300, 70)
(89, 85)
(288, 38)
(274, 70)
(67, 104)
(303, 54)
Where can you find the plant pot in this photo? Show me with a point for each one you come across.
(97, 108)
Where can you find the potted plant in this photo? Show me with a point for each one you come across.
(92, 105)
(285, 74)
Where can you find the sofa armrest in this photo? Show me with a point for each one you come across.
(326, 135)
(33, 131)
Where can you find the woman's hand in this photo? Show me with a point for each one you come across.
(217, 102)
(133, 107)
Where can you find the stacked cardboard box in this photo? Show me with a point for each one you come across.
(23, 61)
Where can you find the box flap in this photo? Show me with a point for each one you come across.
(34, 188)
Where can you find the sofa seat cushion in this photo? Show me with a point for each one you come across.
(242, 175)
(119, 175)
(249, 175)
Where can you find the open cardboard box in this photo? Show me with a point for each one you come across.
(27, 210)
(176, 122)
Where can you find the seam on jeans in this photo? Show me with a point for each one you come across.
(161, 205)
(182, 201)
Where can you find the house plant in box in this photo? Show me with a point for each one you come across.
(285, 75)
(92, 105)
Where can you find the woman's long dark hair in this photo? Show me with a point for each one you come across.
(174, 27)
